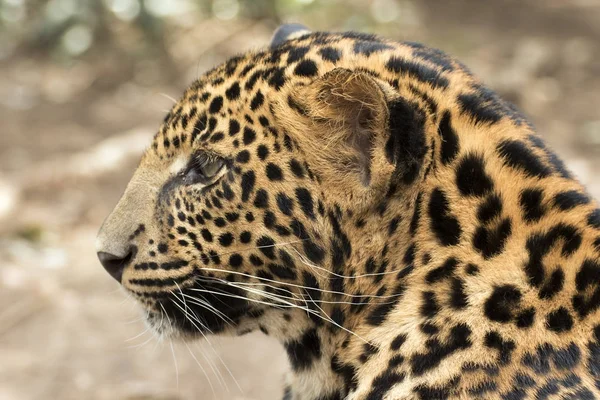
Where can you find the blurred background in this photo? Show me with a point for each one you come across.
(84, 85)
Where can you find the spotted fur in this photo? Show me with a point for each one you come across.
(399, 228)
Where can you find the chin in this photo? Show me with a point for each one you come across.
(195, 312)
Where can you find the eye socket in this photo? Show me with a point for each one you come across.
(203, 168)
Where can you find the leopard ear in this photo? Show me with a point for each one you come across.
(360, 132)
(287, 32)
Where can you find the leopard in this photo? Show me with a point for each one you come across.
(400, 229)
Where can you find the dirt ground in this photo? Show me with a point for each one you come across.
(71, 137)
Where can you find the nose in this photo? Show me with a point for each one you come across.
(114, 264)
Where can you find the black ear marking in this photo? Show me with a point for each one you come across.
(286, 32)
(406, 146)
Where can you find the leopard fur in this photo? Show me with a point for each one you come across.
(399, 228)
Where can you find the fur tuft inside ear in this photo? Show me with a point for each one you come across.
(361, 137)
(343, 115)
(287, 32)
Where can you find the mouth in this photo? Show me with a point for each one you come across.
(198, 310)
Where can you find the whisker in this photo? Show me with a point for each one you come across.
(286, 304)
(296, 285)
(202, 369)
(138, 335)
(216, 372)
(306, 262)
(168, 97)
(175, 360)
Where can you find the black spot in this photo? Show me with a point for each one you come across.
(432, 393)
(471, 178)
(483, 387)
(380, 312)
(443, 224)
(264, 121)
(570, 199)
(296, 106)
(262, 151)
(249, 135)
(393, 225)
(277, 78)
(416, 70)
(330, 54)
(162, 248)
(398, 342)
(234, 127)
(556, 162)
(406, 146)
(233, 92)
(517, 155)
(314, 252)
(593, 219)
(458, 339)
(449, 139)
(261, 200)
(368, 351)
(540, 244)
(554, 284)
(346, 371)
(304, 351)
(500, 305)
(243, 156)
(442, 272)
(588, 275)
(366, 47)
(216, 104)
(560, 320)
(306, 202)
(505, 347)
(525, 318)
(285, 204)
(490, 242)
(531, 202)
(383, 383)
(255, 260)
(296, 168)
(206, 235)
(489, 209)
(568, 357)
(253, 79)
(274, 173)
(226, 239)
(282, 272)
(267, 246)
(458, 296)
(472, 269)
(257, 101)
(429, 307)
(297, 53)
(480, 110)
(235, 260)
(248, 181)
(306, 68)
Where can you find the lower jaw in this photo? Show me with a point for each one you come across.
(183, 327)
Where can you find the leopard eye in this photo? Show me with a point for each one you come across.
(203, 168)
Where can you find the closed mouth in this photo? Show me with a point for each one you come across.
(202, 308)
